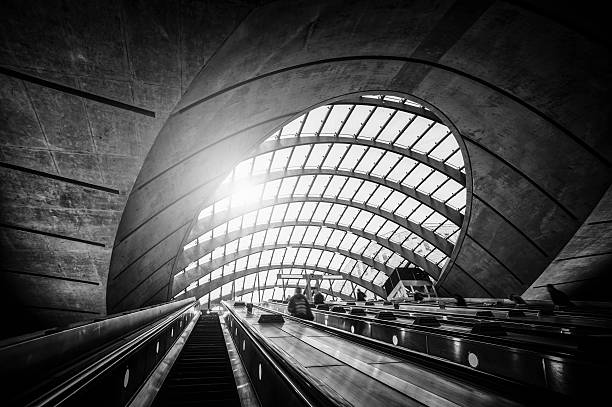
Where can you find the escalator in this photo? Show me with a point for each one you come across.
(202, 373)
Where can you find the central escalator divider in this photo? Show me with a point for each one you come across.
(202, 374)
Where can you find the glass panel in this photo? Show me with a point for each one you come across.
(373, 126)
(292, 128)
(307, 211)
(385, 124)
(287, 187)
(356, 120)
(365, 191)
(350, 188)
(314, 121)
(278, 212)
(263, 217)
(362, 219)
(394, 127)
(413, 132)
(319, 185)
(334, 214)
(447, 190)
(402, 169)
(445, 149)
(321, 212)
(348, 241)
(266, 258)
(407, 207)
(323, 236)
(458, 201)
(335, 119)
(386, 163)
(335, 155)
(303, 185)
(262, 163)
(271, 189)
(281, 157)
(417, 175)
(316, 155)
(349, 216)
(333, 189)
(433, 137)
(299, 156)
(352, 157)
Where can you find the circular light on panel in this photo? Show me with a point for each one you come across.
(472, 359)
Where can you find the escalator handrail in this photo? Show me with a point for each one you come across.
(289, 373)
(542, 323)
(541, 350)
(508, 387)
(106, 361)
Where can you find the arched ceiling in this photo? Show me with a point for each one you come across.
(399, 158)
(526, 84)
(487, 77)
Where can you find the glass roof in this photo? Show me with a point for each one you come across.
(355, 188)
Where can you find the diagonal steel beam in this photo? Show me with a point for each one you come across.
(207, 287)
(272, 145)
(344, 297)
(189, 276)
(198, 251)
(205, 224)
(360, 100)
(447, 211)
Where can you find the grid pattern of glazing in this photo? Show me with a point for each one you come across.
(252, 286)
(379, 182)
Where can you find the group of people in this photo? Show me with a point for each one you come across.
(299, 306)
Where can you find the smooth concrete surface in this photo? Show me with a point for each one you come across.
(56, 236)
(583, 268)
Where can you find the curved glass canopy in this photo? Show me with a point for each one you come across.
(354, 189)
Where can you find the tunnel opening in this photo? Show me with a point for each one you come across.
(348, 191)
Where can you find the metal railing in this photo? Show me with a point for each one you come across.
(285, 383)
(113, 358)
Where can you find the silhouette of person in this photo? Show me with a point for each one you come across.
(418, 297)
(318, 298)
(558, 297)
(299, 306)
(460, 300)
(360, 295)
(517, 299)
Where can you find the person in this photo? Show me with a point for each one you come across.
(460, 300)
(558, 297)
(360, 295)
(418, 297)
(318, 298)
(299, 307)
(517, 299)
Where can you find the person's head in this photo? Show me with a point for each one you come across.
(358, 290)
(550, 287)
(298, 290)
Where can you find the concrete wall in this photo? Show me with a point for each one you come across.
(583, 269)
(528, 94)
(68, 160)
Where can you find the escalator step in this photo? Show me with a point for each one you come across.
(202, 373)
